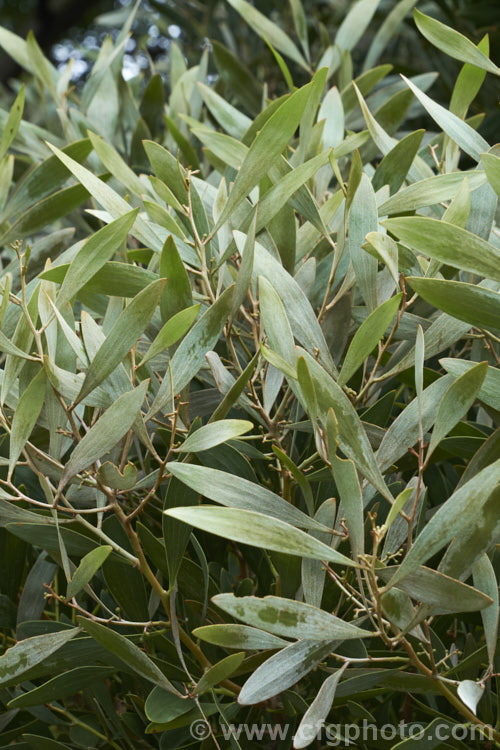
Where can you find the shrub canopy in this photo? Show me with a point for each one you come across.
(250, 396)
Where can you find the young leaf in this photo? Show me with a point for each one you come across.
(88, 567)
(173, 330)
(214, 434)
(470, 693)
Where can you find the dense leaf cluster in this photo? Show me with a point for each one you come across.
(250, 396)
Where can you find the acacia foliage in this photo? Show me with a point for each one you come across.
(250, 396)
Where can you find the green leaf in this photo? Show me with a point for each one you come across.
(491, 164)
(93, 254)
(352, 436)
(404, 431)
(41, 66)
(257, 530)
(123, 335)
(62, 686)
(362, 220)
(239, 636)
(386, 31)
(283, 670)
(276, 325)
(303, 321)
(398, 506)
(348, 488)
(220, 671)
(235, 492)
(355, 23)
(367, 337)
(468, 83)
(267, 29)
(173, 330)
(13, 122)
(45, 212)
(266, 149)
(317, 713)
(106, 432)
(25, 417)
(456, 402)
(468, 302)
(287, 617)
(429, 192)
(490, 390)
(114, 163)
(447, 243)
(384, 247)
(452, 43)
(16, 48)
(69, 385)
(233, 121)
(300, 23)
(395, 165)
(110, 200)
(213, 434)
(485, 580)
(10, 348)
(31, 651)
(88, 567)
(177, 295)
(463, 509)
(464, 136)
(162, 707)
(128, 652)
(190, 355)
(113, 279)
(245, 272)
(442, 593)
